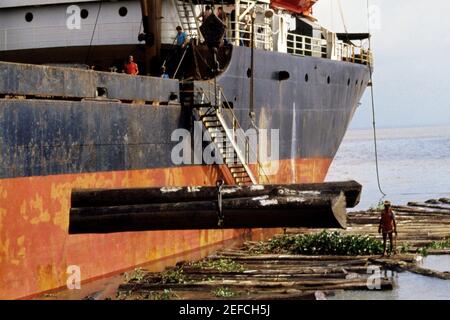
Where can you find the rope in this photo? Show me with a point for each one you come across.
(341, 13)
(93, 32)
(373, 106)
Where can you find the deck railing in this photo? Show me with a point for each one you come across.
(350, 53)
(299, 45)
(307, 46)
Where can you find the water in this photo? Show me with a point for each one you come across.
(414, 164)
(438, 263)
(409, 286)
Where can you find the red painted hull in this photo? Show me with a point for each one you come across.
(35, 248)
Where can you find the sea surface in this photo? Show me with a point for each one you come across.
(414, 165)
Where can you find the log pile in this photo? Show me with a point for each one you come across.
(285, 276)
(418, 224)
(177, 208)
(262, 277)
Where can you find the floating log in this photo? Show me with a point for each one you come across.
(257, 212)
(137, 196)
(411, 267)
(430, 206)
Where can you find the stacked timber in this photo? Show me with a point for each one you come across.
(177, 208)
(239, 274)
(419, 225)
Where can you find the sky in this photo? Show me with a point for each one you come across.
(411, 45)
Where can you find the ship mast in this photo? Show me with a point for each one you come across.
(151, 19)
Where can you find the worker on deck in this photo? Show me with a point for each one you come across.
(182, 38)
(182, 43)
(387, 226)
(164, 73)
(204, 14)
(131, 67)
(221, 15)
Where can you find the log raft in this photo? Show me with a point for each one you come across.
(180, 208)
(286, 276)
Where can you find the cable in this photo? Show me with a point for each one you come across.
(341, 13)
(373, 106)
(93, 32)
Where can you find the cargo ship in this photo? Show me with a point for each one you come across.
(69, 118)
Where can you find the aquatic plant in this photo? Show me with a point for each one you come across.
(443, 244)
(324, 243)
(405, 248)
(224, 292)
(136, 275)
(167, 294)
(174, 275)
(221, 265)
(377, 208)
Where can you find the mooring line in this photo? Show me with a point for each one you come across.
(373, 104)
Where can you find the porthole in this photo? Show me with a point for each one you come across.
(123, 11)
(306, 77)
(348, 82)
(29, 17)
(84, 14)
(328, 80)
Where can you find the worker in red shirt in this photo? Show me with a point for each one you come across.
(388, 226)
(131, 67)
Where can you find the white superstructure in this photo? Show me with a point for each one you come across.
(24, 25)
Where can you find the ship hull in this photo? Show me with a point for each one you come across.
(48, 147)
(37, 250)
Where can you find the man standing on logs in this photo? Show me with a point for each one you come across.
(387, 226)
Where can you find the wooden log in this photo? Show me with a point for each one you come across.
(294, 257)
(137, 196)
(256, 212)
(411, 267)
(318, 284)
(419, 211)
(429, 206)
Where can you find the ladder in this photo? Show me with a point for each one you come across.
(188, 19)
(221, 134)
(223, 137)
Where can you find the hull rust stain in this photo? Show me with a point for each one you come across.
(35, 249)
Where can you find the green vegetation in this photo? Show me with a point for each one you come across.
(175, 275)
(377, 208)
(166, 294)
(224, 292)
(323, 243)
(136, 275)
(221, 265)
(444, 244)
(405, 248)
